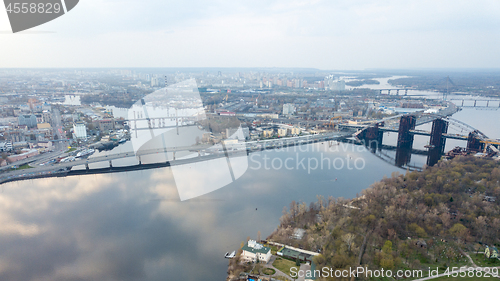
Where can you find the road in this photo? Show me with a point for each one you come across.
(59, 146)
(208, 151)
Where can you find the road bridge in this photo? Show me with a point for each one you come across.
(205, 152)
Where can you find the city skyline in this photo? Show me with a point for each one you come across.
(303, 34)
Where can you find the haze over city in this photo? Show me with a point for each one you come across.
(314, 34)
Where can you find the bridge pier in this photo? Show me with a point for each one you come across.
(372, 137)
(475, 101)
(406, 92)
(463, 103)
(140, 162)
(405, 139)
(87, 166)
(389, 92)
(110, 164)
(437, 142)
(474, 143)
(397, 92)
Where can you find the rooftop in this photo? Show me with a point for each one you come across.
(253, 247)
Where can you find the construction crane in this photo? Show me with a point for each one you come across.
(489, 143)
(331, 124)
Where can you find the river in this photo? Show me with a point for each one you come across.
(132, 226)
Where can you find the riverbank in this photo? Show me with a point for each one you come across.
(405, 222)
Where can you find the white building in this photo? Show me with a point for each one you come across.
(253, 251)
(79, 130)
(288, 109)
(338, 85)
(155, 81)
(333, 84)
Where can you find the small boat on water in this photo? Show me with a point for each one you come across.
(122, 140)
(230, 256)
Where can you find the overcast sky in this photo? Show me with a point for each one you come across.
(351, 34)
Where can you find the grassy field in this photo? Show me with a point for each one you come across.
(480, 260)
(268, 271)
(284, 265)
(274, 249)
(23, 167)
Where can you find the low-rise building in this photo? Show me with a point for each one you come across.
(46, 144)
(24, 155)
(41, 126)
(267, 133)
(282, 132)
(253, 251)
(106, 125)
(295, 131)
(5, 146)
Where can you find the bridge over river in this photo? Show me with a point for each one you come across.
(405, 126)
(369, 134)
(201, 153)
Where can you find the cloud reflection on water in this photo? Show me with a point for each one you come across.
(132, 226)
(104, 227)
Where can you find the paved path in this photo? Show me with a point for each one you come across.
(303, 268)
(278, 272)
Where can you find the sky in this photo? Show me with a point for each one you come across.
(329, 35)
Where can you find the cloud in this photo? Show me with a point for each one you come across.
(321, 34)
